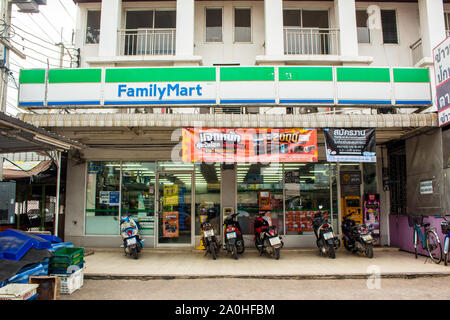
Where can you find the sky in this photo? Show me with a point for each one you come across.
(36, 36)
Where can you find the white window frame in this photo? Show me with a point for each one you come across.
(85, 30)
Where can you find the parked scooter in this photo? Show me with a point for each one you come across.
(445, 225)
(132, 242)
(267, 238)
(357, 238)
(326, 240)
(209, 239)
(234, 241)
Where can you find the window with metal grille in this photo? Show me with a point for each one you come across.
(389, 26)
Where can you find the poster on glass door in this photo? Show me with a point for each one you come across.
(170, 224)
(350, 144)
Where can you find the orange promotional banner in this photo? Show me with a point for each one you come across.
(226, 145)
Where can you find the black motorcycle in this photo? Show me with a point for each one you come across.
(267, 238)
(234, 241)
(209, 239)
(326, 240)
(357, 238)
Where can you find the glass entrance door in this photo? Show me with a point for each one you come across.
(175, 208)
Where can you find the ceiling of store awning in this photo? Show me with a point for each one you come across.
(19, 136)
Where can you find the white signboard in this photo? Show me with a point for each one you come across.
(426, 187)
(441, 58)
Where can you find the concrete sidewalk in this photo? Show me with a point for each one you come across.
(293, 264)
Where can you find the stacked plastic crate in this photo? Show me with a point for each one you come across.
(68, 263)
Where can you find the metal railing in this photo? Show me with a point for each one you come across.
(147, 42)
(416, 51)
(315, 41)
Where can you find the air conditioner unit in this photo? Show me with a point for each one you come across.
(29, 6)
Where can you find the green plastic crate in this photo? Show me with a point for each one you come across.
(67, 255)
(65, 264)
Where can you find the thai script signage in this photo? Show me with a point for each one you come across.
(249, 145)
(441, 58)
(426, 187)
(350, 145)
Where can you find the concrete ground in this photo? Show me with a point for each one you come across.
(264, 289)
(293, 264)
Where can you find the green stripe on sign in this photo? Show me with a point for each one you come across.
(247, 74)
(305, 74)
(75, 76)
(411, 75)
(363, 74)
(32, 76)
(160, 74)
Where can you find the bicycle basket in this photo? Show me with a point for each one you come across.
(412, 220)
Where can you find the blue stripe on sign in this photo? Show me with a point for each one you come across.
(247, 101)
(70, 103)
(36, 103)
(306, 101)
(159, 102)
(365, 101)
(413, 102)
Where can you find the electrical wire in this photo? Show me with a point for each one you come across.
(67, 11)
(31, 17)
(35, 43)
(47, 56)
(31, 34)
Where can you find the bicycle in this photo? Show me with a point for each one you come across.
(429, 238)
(445, 225)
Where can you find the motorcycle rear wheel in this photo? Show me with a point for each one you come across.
(135, 253)
(276, 253)
(368, 250)
(331, 252)
(213, 251)
(234, 252)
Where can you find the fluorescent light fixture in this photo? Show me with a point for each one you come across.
(52, 142)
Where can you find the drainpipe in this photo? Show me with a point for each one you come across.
(58, 185)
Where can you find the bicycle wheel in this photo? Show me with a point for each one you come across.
(434, 247)
(416, 242)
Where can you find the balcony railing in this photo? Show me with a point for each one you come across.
(416, 51)
(147, 42)
(314, 41)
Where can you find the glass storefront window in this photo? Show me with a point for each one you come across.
(207, 195)
(370, 177)
(174, 166)
(307, 192)
(259, 191)
(138, 194)
(102, 198)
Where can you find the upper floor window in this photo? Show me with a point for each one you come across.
(305, 18)
(447, 22)
(362, 27)
(389, 25)
(242, 25)
(151, 19)
(213, 25)
(93, 27)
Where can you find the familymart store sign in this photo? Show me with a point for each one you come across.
(190, 86)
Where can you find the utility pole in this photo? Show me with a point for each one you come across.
(6, 8)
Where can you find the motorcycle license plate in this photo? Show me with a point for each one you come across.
(131, 241)
(231, 235)
(328, 235)
(274, 241)
(367, 237)
(208, 233)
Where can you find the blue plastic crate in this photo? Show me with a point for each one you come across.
(13, 248)
(51, 238)
(38, 242)
(23, 275)
(57, 246)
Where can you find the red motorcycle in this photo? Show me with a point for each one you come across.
(267, 238)
(234, 241)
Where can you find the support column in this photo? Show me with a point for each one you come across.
(110, 23)
(432, 32)
(185, 28)
(273, 19)
(345, 13)
(432, 25)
